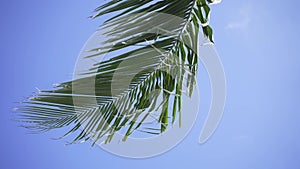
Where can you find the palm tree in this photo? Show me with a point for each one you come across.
(165, 58)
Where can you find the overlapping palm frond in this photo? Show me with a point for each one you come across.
(153, 44)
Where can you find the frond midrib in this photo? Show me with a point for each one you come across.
(168, 53)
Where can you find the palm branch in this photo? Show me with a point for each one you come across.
(166, 60)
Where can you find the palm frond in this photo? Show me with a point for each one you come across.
(152, 42)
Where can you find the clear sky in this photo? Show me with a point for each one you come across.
(256, 40)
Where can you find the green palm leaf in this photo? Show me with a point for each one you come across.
(151, 43)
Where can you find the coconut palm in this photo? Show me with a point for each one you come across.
(157, 38)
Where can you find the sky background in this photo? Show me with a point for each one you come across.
(257, 42)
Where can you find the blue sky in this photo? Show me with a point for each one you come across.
(256, 40)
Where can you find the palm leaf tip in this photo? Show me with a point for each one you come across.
(154, 48)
